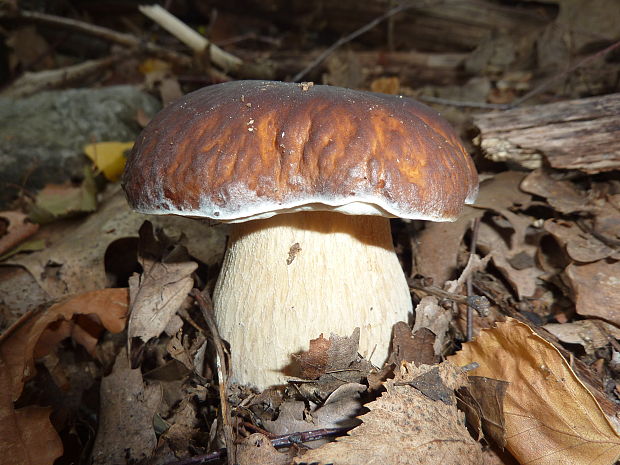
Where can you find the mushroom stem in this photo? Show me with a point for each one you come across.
(289, 278)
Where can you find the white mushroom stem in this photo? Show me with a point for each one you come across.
(289, 278)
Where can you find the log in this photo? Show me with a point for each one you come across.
(582, 134)
(446, 26)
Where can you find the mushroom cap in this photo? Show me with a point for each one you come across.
(245, 150)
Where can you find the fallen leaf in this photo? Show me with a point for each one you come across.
(484, 398)
(339, 410)
(157, 293)
(56, 201)
(74, 262)
(580, 246)
(522, 278)
(562, 195)
(17, 230)
(108, 157)
(127, 407)
(324, 355)
(590, 334)
(257, 449)
(432, 316)
(26, 434)
(551, 418)
(404, 426)
(597, 289)
(412, 347)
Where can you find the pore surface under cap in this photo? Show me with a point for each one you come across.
(250, 149)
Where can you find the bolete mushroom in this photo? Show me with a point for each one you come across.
(309, 177)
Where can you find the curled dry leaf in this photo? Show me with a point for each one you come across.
(16, 230)
(158, 292)
(591, 334)
(438, 244)
(550, 417)
(325, 355)
(412, 347)
(404, 426)
(515, 262)
(432, 316)
(26, 434)
(580, 246)
(562, 195)
(338, 411)
(597, 289)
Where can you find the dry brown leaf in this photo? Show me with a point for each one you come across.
(127, 406)
(157, 293)
(74, 262)
(17, 229)
(432, 316)
(551, 418)
(257, 449)
(590, 334)
(522, 278)
(597, 289)
(325, 355)
(562, 195)
(405, 426)
(26, 434)
(580, 246)
(339, 410)
(412, 347)
(438, 243)
(484, 402)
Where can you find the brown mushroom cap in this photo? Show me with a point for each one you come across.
(251, 149)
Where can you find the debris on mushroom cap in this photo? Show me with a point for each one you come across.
(251, 149)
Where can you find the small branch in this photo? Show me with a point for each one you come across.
(206, 306)
(478, 303)
(191, 38)
(285, 440)
(31, 83)
(109, 35)
(358, 32)
(472, 251)
(459, 103)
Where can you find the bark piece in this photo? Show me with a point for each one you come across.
(597, 289)
(581, 134)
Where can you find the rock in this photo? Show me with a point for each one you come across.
(41, 136)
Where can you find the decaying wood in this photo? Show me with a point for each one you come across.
(582, 134)
(447, 25)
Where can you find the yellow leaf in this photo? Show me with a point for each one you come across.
(108, 157)
(551, 418)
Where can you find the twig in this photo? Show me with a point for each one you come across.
(465, 103)
(204, 302)
(285, 440)
(31, 83)
(470, 290)
(191, 38)
(358, 32)
(109, 35)
(478, 303)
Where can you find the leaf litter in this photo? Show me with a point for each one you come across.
(550, 245)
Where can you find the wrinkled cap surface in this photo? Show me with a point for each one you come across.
(251, 149)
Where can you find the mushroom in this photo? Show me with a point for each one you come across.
(308, 176)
